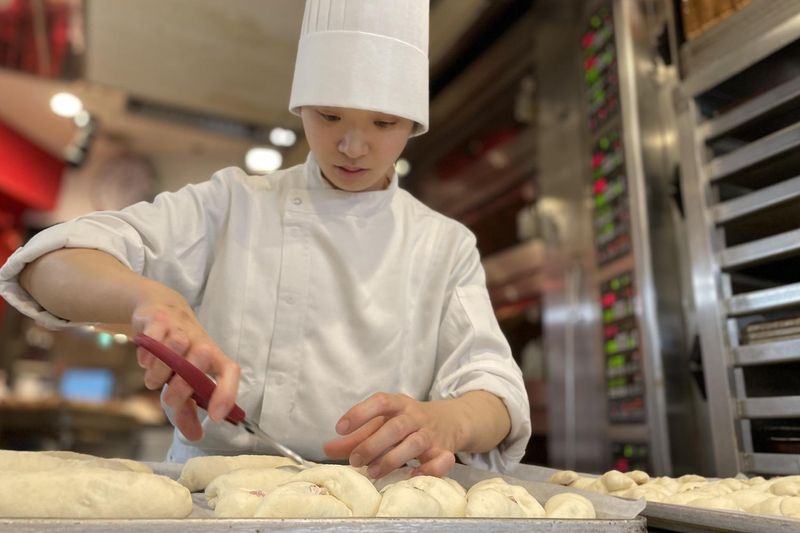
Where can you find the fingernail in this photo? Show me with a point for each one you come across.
(342, 426)
(373, 471)
(356, 460)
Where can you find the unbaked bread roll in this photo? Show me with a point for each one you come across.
(248, 479)
(718, 502)
(404, 499)
(238, 503)
(582, 483)
(748, 498)
(495, 498)
(770, 506)
(614, 480)
(198, 472)
(569, 505)
(302, 499)
(133, 466)
(790, 506)
(651, 493)
(564, 477)
(347, 485)
(16, 461)
(639, 477)
(87, 492)
(788, 486)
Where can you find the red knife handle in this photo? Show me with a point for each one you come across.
(202, 385)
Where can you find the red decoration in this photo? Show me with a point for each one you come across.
(28, 174)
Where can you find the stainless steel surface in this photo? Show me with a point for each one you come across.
(708, 311)
(570, 318)
(280, 448)
(692, 519)
(782, 94)
(772, 463)
(760, 250)
(741, 182)
(764, 300)
(756, 201)
(259, 525)
(772, 407)
(773, 352)
(641, 85)
(770, 146)
(762, 27)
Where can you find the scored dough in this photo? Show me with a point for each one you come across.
(410, 498)
(198, 472)
(133, 466)
(247, 479)
(495, 498)
(345, 484)
(88, 492)
(564, 477)
(302, 499)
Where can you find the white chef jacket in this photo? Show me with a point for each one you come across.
(322, 296)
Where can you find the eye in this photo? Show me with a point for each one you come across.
(384, 123)
(328, 117)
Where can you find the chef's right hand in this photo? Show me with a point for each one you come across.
(163, 314)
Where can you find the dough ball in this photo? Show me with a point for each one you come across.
(789, 486)
(771, 506)
(720, 502)
(614, 480)
(564, 477)
(256, 479)
(401, 500)
(582, 483)
(15, 461)
(347, 485)
(569, 505)
(683, 498)
(691, 485)
(448, 493)
(672, 485)
(733, 484)
(690, 477)
(747, 498)
(238, 503)
(496, 498)
(301, 499)
(639, 477)
(198, 472)
(755, 480)
(87, 492)
(650, 493)
(790, 506)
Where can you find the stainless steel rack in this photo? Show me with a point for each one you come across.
(739, 132)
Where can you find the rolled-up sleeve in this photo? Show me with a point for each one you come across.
(168, 240)
(473, 354)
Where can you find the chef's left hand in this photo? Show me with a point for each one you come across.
(387, 430)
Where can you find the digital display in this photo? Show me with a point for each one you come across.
(87, 384)
(600, 69)
(611, 217)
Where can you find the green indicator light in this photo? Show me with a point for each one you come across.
(615, 284)
(608, 315)
(595, 21)
(604, 143)
(628, 452)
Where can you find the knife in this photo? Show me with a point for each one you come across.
(203, 387)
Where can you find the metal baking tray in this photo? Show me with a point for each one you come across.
(685, 518)
(613, 515)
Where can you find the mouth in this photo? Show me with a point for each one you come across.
(350, 171)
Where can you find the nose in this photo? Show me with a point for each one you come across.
(353, 144)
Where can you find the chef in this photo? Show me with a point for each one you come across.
(348, 319)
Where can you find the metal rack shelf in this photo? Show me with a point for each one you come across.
(740, 173)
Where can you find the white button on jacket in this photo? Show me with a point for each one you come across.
(322, 296)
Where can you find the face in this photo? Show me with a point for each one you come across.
(356, 149)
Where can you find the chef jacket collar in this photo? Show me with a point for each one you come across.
(323, 198)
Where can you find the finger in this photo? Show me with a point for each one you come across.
(411, 447)
(226, 373)
(341, 448)
(437, 463)
(394, 431)
(185, 417)
(379, 404)
(155, 329)
(178, 342)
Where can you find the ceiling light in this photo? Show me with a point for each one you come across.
(403, 167)
(82, 118)
(65, 104)
(263, 160)
(282, 137)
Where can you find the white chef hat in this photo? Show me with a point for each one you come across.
(364, 54)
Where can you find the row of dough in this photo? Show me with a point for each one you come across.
(328, 491)
(779, 496)
(72, 485)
